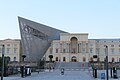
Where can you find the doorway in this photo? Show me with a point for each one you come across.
(74, 59)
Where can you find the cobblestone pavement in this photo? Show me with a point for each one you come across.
(55, 75)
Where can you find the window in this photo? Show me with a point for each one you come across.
(8, 44)
(91, 45)
(64, 50)
(112, 51)
(73, 50)
(112, 45)
(104, 45)
(14, 59)
(113, 59)
(15, 45)
(50, 50)
(15, 50)
(56, 50)
(104, 50)
(83, 50)
(64, 59)
(91, 50)
(56, 58)
(8, 50)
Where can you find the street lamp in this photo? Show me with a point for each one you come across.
(106, 52)
(2, 71)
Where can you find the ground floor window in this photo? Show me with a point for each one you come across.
(56, 58)
(64, 59)
(113, 59)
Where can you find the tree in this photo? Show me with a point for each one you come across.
(50, 56)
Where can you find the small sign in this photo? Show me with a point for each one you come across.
(102, 75)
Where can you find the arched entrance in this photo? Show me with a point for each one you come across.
(74, 59)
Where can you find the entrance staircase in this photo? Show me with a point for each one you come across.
(71, 65)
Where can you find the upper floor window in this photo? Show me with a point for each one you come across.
(64, 50)
(8, 44)
(56, 50)
(15, 45)
(73, 50)
(91, 50)
(112, 51)
(83, 50)
(104, 45)
(8, 50)
(112, 45)
(119, 45)
(91, 44)
(15, 50)
(50, 50)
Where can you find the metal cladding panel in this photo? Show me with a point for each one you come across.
(36, 38)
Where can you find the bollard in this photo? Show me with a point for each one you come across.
(22, 71)
(115, 73)
(62, 71)
(111, 72)
(95, 73)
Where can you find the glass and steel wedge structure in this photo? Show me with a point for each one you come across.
(36, 38)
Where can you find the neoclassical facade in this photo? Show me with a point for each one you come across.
(76, 47)
(12, 49)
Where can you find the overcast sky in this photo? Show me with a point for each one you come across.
(99, 18)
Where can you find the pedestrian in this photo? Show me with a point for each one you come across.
(62, 71)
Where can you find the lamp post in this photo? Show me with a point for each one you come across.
(106, 52)
(2, 71)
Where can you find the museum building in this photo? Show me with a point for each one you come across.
(39, 41)
(76, 47)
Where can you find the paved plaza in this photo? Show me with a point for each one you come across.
(56, 75)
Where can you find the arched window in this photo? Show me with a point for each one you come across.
(74, 44)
